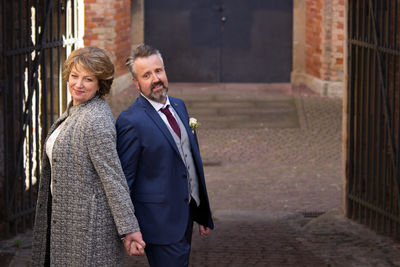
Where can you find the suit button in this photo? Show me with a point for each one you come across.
(186, 200)
(55, 159)
(184, 176)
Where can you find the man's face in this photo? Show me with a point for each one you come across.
(151, 78)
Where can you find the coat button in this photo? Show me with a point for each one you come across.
(55, 159)
(186, 200)
(184, 176)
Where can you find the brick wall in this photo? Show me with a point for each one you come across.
(314, 36)
(108, 26)
(318, 55)
(338, 40)
(322, 68)
(324, 39)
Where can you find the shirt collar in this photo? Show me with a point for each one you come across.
(157, 106)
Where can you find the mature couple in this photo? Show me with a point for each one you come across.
(137, 185)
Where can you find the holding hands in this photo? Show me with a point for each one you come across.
(134, 244)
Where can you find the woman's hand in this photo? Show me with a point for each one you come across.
(134, 244)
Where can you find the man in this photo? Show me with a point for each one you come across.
(162, 164)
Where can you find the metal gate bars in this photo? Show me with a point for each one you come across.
(373, 154)
(36, 37)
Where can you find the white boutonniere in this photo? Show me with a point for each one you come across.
(193, 123)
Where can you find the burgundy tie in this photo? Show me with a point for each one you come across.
(172, 122)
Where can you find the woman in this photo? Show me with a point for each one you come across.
(83, 207)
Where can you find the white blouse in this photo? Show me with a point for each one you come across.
(49, 147)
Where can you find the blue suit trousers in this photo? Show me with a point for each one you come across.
(172, 255)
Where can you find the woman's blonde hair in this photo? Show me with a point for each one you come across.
(94, 60)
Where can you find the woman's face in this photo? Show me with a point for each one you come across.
(82, 85)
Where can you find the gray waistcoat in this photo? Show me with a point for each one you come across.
(183, 145)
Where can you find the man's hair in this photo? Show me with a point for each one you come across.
(141, 50)
(94, 60)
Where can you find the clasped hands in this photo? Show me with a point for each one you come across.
(134, 244)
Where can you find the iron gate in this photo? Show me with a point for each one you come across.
(373, 154)
(36, 37)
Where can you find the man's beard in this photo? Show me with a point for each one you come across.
(159, 96)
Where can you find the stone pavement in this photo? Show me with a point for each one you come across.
(272, 158)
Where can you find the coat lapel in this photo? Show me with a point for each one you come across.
(183, 116)
(185, 120)
(152, 113)
(55, 125)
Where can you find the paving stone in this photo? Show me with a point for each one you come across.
(266, 179)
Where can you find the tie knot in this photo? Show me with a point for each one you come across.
(165, 110)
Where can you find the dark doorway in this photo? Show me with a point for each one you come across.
(222, 40)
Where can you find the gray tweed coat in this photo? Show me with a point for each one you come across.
(90, 203)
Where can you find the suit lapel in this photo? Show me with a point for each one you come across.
(155, 117)
(184, 118)
(181, 111)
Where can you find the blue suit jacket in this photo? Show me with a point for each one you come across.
(156, 174)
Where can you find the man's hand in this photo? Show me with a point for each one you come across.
(134, 244)
(204, 230)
